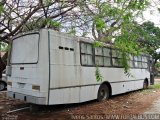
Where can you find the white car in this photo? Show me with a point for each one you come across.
(3, 81)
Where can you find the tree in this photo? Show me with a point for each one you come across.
(113, 23)
(150, 39)
(16, 16)
(17, 13)
(105, 20)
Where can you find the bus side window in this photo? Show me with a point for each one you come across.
(86, 54)
(136, 61)
(116, 58)
(107, 56)
(99, 56)
(144, 62)
(83, 47)
(131, 61)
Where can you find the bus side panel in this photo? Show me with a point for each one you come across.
(122, 87)
(64, 95)
(130, 86)
(88, 93)
(63, 61)
(138, 84)
(73, 94)
(68, 78)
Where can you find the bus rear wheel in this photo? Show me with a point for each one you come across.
(103, 93)
(145, 84)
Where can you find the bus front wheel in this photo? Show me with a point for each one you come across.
(103, 93)
(2, 85)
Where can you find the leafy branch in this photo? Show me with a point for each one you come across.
(98, 75)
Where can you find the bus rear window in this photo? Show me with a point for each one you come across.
(25, 49)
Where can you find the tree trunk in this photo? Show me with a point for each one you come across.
(3, 63)
(2, 67)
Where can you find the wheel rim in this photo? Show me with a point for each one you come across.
(103, 94)
(145, 85)
(2, 86)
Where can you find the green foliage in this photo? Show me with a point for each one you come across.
(118, 16)
(84, 34)
(127, 17)
(100, 24)
(149, 38)
(1, 8)
(4, 47)
(158, 9)
(48, 2)
(124, 62)
(134, 36)
(49, 23)
(117, 1)
(72, 31)
(97, 44)
(156, 86)
(98, 75)
(136, 4)
(53, 23)
(157, 65)
(108, 19)
(127, 43)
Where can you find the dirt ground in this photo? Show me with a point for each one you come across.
(124, 105)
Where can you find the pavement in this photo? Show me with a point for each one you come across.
(155, 108)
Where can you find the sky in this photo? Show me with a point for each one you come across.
(151, 13)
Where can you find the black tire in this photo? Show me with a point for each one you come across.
(145, 84)
(103, 93)
(2, 85)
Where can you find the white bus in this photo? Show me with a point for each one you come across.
(48, 68)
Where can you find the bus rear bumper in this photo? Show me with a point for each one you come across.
(27, 98)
